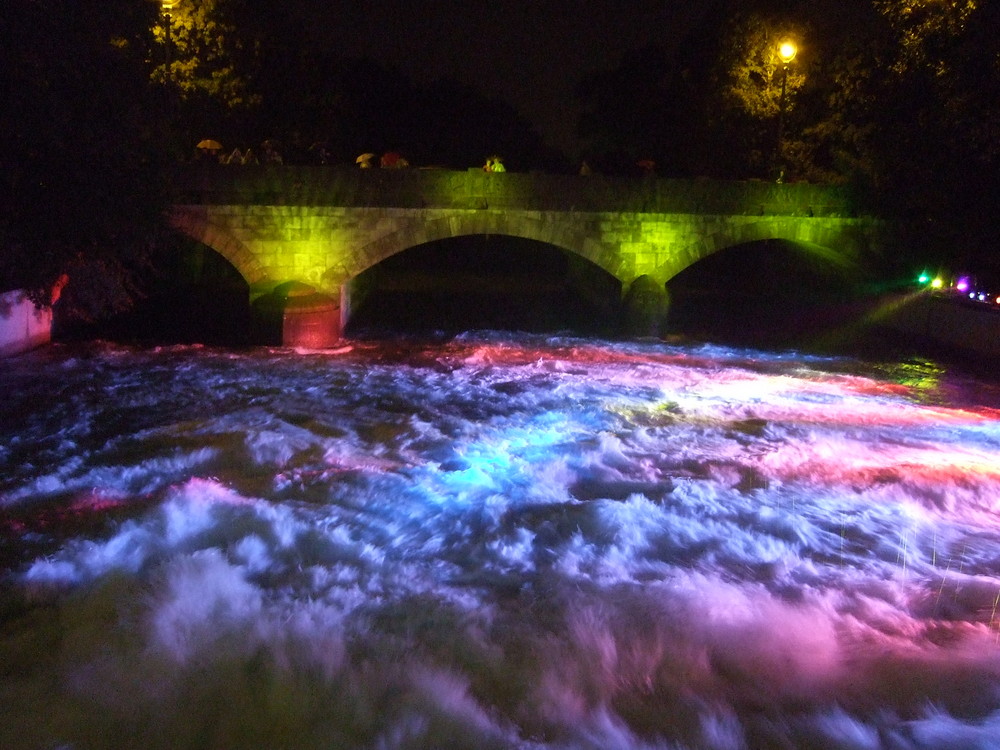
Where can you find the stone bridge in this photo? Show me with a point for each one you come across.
(306, 234)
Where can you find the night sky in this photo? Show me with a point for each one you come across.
(531, 53)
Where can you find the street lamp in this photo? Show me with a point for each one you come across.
(786, 53)
(165, 7)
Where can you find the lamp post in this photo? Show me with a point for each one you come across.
(165, 7)
(786, 53)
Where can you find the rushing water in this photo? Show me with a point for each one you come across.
(496, 541)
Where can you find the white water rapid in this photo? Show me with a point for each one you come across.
(497, 541)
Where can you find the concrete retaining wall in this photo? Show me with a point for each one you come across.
(964, 326)
(22, 325)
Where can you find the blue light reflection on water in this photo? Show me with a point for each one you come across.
(497, 541)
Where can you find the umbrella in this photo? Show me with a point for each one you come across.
(363, 158)
(209, 145)
(390, 159)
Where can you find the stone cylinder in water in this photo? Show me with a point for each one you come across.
(646, 306)
(295, 314)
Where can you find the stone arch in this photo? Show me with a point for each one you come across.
(195, 224)
(838, 241)
(556, 231)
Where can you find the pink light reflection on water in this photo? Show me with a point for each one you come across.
(509, 543)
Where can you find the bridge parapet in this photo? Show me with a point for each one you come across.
(478, 190)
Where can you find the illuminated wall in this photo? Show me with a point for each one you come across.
(325, 228)
(22, 325)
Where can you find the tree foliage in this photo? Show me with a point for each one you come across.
(202, 50)
(900, 98)
(247, 71)
(78, 160)
(926, 106)
(640, 89)
(708, 107)
(751, 74)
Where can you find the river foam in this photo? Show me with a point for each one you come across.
(497, 541)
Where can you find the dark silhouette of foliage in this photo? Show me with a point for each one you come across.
(626, 112)
(300, 91)
(917, 108)
(79, 159)
(898, 98)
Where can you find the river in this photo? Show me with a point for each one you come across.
(497, 540)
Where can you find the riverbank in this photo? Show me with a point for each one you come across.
(897, 326)
(945, 324)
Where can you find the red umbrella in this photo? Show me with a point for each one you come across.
(390, 159)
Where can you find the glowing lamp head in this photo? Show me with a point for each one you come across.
(937, 283)
(924, 278)
(169, 4)
(786, 51)
(962, 284)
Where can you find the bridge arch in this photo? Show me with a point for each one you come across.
(197, 226)
(483, 281)
(841, 243)
(530, 226)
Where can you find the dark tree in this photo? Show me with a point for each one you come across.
(913, 106)
(300, 89)
(896, 97)
(706, 108)
(79, 168)
(626, 112)
(458, 126)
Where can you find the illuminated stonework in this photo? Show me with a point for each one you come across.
(326, 228)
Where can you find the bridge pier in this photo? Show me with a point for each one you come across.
(646, 305)
(295, 314)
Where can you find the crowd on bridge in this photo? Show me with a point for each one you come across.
(211, 151)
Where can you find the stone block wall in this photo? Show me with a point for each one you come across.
(477, 190)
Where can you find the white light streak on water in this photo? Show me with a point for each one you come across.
(497, 542)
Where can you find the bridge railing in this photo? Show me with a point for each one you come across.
(478, 190)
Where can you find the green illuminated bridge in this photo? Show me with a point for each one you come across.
(312, 232)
